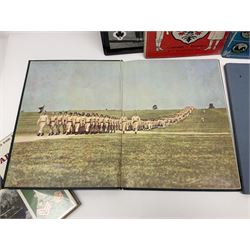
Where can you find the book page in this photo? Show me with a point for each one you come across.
(177, 133)
(65, 133)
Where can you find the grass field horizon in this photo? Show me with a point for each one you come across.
(27, 120)
(153, 160)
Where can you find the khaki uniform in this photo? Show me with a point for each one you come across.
(106, 124)
(42, 122)
(92, 124)
(97, 124)
(112, 125)
(82, 124)
(69, 126)
(52, 124)
(124, 121)
(135, 123)
(87, 124)
(77, 123)
(59, 123)
(101, 124)
(64, 122)
(73, 123)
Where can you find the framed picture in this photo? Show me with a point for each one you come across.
(122, 42)
(36, 204)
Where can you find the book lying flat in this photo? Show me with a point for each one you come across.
(126, 125)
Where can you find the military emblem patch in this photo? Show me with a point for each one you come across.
(188, 36)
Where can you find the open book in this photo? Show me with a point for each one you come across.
(132, 125)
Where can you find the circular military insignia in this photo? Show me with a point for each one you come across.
(239, 47)
(245, 34)
(119, 35)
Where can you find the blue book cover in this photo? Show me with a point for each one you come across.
(237, 76)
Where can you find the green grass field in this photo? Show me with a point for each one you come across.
(216, 120)
(149, 160)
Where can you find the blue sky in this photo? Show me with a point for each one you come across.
(69, 85)
(172, 84)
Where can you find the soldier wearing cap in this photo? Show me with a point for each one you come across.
(87, 123)
(64, 121)
(123, 122)
(69, 122)
(42, 122)
(52, 124)
(136, 122)
(106, 124)
(101, 124)
(59, 123)
(77, 122)
(82, 123)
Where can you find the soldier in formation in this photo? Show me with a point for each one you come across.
(93, 123)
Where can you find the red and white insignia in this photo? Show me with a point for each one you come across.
(188, 36)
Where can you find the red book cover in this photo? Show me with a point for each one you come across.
(183, 43)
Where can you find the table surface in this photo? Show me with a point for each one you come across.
(16, 48)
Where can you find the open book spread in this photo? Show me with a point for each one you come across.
(133, 125)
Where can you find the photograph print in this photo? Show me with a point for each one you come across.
(65, 130)
(133, 125)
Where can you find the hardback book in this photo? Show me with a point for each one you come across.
(183, 43)
(123, 125)
(238, 84)
(32, 204)
(237, 45)
(122, 42)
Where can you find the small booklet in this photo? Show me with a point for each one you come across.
(126, 125)
(32, 204)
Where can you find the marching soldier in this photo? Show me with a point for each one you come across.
(52, 124)
(106, 124)
(64, 122)
(74, 115)
(42, 122)
(136, 122)
(101, 123)
(69, 126)
(112, 124)
(77, 122)
(97, 123)
(82, 123)
(123, 122)
(87, 123)
(59, 123)
(92, 123)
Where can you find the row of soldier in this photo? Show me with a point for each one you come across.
(81, 123)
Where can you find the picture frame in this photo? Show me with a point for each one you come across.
(122, 42)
